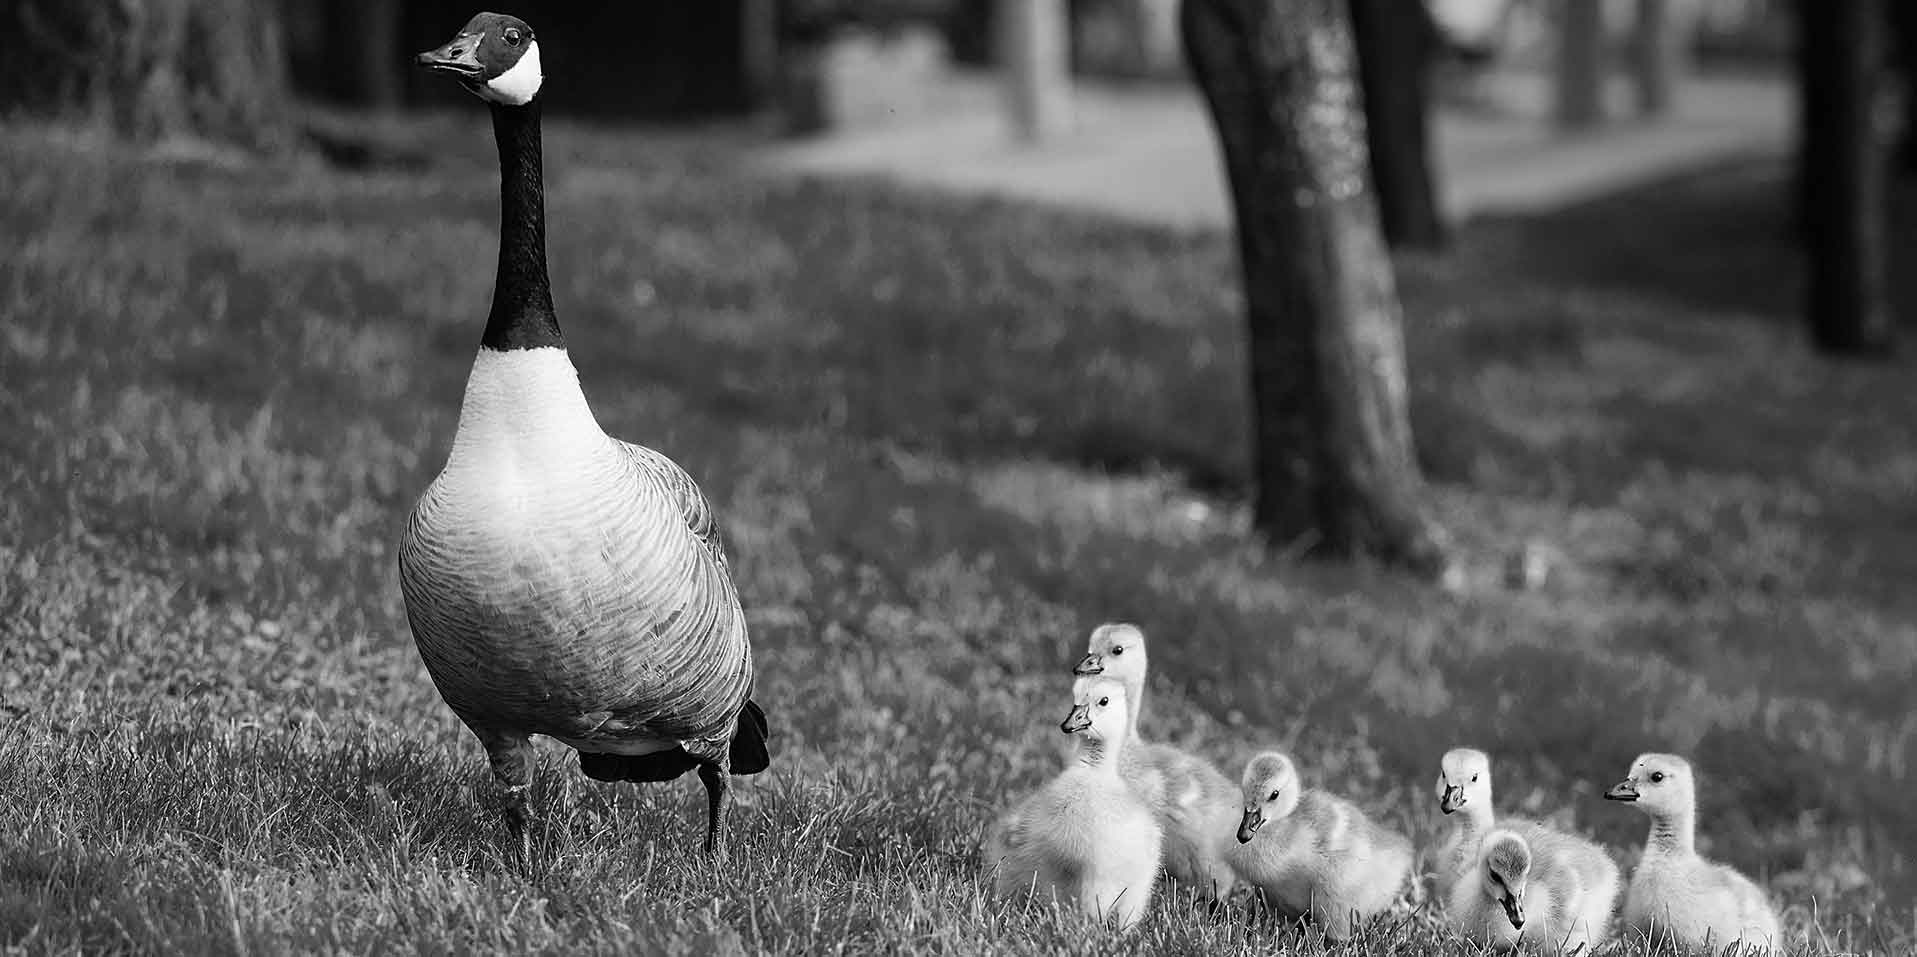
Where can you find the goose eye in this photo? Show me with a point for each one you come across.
(1117, 651)
(512, 36)
(1657, 777)
(1474, 779)
(1273, 796)
(1103, 702)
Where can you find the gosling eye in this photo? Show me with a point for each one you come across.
(1474, 779)
(512, 36)
(1273, 796)
(1103, 702)
(1117, 651)
(1657, 777)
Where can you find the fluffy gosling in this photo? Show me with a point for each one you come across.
(1549, 891)
(1676, 896)
(1314, 855)
(1086, 838)
(1195, 802)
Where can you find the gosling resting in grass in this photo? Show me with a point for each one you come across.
(1195, 802)
(1314, 855)
(1549, 891)
(1086, 839)
(559, 581)
(1676, 896)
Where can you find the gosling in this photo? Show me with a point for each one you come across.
(1320, 857)
(1676, 896)
(1549, 891)
(1087, 838)
(1194, 801)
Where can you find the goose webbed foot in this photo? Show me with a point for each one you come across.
(718, 803)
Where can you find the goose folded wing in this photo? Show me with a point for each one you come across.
(667, 476)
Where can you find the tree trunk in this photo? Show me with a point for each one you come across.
(1580, 68)
(1035, 58)
(1657, 51)
(1903, 33)
(1395, 42)
(1841, 184)
(1333, 457)
(153, 69)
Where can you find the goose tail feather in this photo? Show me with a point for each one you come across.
(747, 754)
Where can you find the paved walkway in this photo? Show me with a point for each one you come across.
(1150, 154)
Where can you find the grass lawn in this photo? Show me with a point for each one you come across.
(946, 439)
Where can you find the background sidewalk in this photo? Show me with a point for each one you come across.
(1149, 153)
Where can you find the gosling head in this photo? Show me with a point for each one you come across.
(1271, 790)
(1506, 867)
(1098, 709)
(1659, 784)
(1117, 650)
(494, 56)
(1464, 779)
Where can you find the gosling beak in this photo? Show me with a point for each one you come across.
(1514, 909)
(1626, 790)
(1092, 665)
(1247, 827)
(460, 58)
(1078, 720)
(1452, 800)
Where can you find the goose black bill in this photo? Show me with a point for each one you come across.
(1624, 791)
(1248, 826)
(459, 58)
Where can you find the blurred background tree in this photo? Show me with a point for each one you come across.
(1333, 462)
(1842, 196)
(1397, 44)
(152, 69)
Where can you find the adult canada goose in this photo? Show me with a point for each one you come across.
(1676, 896)
(1318, 855)
(1197, 804)
(1086, 838)
(1550, 891)
(559, 581)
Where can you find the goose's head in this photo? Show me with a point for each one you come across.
(1658, 784)
(1271, 789)
(1464, 778)
(1098, 709)
(1117, 650)
(1506, 865)
(494, 56)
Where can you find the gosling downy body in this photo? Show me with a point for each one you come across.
(1549, 891)
(1197, 803)
(1086, 839)
(559, 581)
(1676, 896)
(1311, 854)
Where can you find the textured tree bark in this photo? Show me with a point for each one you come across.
(1396, 40)
(153, 69)
(1841, 183)
(1333, 459)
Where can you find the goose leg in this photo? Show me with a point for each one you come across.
(512, 760)
(718, 802)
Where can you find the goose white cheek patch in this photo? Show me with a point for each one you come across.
(517, 86)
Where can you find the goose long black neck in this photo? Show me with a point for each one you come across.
(522, 315)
